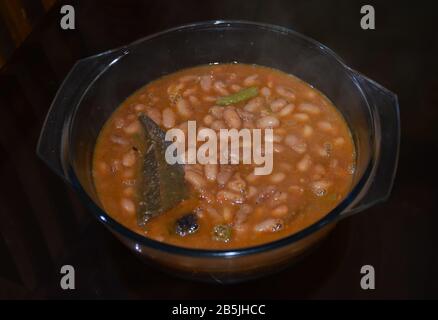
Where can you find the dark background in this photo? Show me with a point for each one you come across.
(43, 225)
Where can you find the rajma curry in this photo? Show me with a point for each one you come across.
(227, 205)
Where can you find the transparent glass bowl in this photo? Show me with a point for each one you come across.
(97, 85)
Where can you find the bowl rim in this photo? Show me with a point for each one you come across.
(141, 240)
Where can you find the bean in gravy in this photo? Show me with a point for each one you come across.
(313, 160)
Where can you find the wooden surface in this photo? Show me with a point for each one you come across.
(44, 225)
(17, 17)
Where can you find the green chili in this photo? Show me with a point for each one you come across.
(240, 96)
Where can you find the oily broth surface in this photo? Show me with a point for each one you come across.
(328, 156)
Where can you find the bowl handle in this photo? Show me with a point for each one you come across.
(385, 110)
(52, 145)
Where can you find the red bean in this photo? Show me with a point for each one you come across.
(237, 184)
(280, 211)
(209, 99)
(208, 120)
(228, 214)
(304, 163)
(128, 205)
(278, 148)
(129, 158)
(287, 110)
(129, 191)
(169, 118)
(206, 82)
(250, 81)
(119, 140)
(278, 104)
(242, 215)
(128, 173)
(339, 141)
(196, 180)
(295, 143)
(265, 91)
(119, 123)
(217, 125)
(225, 195)
(224, 175)
(217, 111)
(183, 108)
(189, 78)
(133, 128)
(269, 225)
(220, 88)
(254, 104)
(302, 117)
(139, 107)
(194, 101)
(277, 177)
(232, 118)
(252, 191)
(326, 126)
(268, 122)
(307, 131)
(210, 171)
(103, 167)
(309, 108)
(189, 92)
(285, 93)
(154, 114)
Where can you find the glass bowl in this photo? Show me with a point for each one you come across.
(97, 85)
